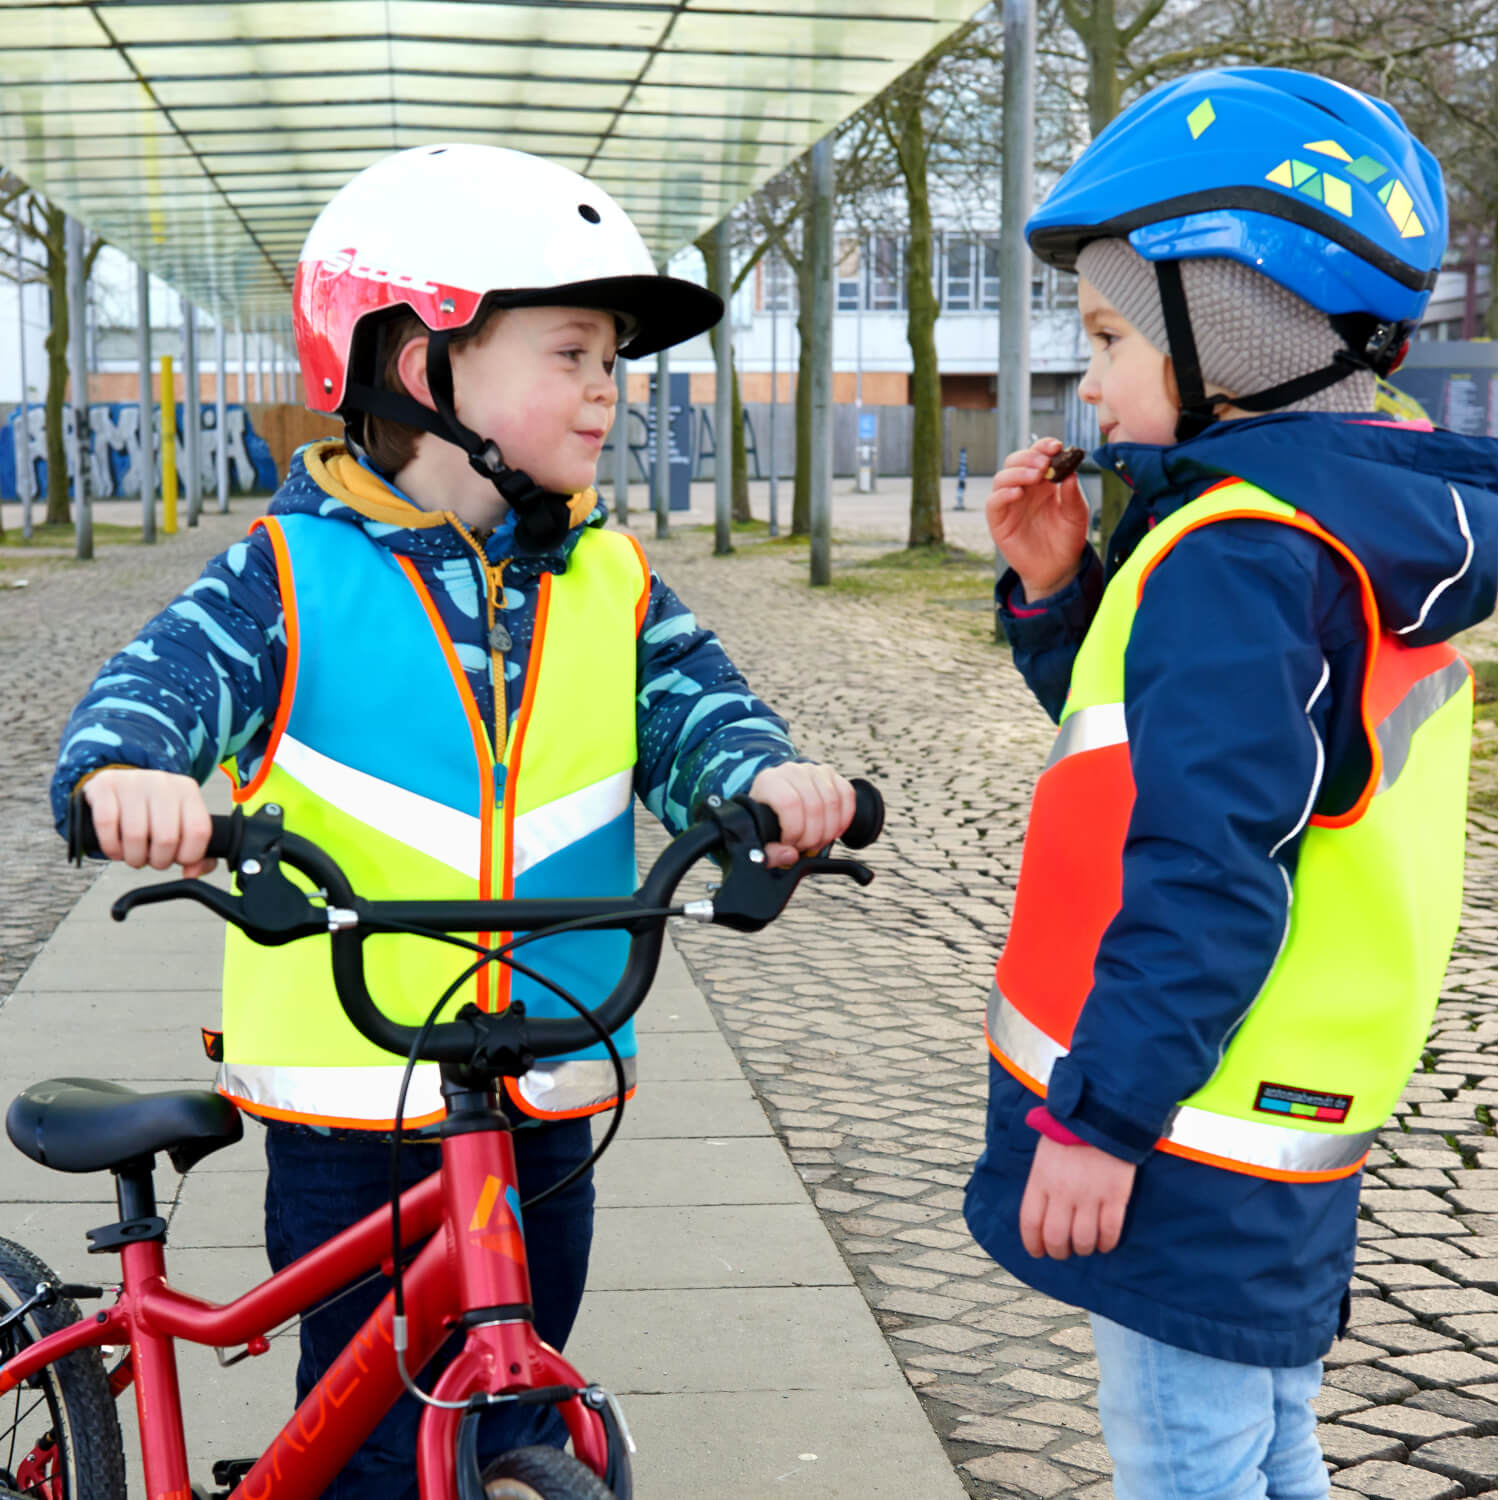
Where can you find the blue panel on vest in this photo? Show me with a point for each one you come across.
(586, 964)
(373, 687)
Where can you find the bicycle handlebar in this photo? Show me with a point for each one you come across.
(272, 910)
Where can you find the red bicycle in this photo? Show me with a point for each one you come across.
(452, 1245)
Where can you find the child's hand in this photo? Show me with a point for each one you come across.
(1074, 1201)
(150, 817)
(814, 803)
(1039, 527)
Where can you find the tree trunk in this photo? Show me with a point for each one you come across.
(739, 482)
(1101, 41)
(802, 483)
(926, 521)
(740, 477)
(58, 512)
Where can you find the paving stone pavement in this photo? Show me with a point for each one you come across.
(916, 700)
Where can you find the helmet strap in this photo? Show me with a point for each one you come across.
(542, 516)
(1369, 345)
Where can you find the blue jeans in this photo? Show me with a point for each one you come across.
(1182, 1426)
(319, 1185)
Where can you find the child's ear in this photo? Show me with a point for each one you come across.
(1169, 380)
(411, 367)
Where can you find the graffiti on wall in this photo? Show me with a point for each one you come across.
(113, 432)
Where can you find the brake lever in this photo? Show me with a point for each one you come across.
(752, 893)
(269, 909)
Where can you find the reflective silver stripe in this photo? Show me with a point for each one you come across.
(369, 1093)
(1022, 1041)
(1423, 699)
(363, 1093)
(1089, 729)
(1273, 1146)
(568, 1084)
(442, 833)
(1276, 1147)
(565, 820)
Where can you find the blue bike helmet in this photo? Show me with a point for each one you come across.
(1318, 187)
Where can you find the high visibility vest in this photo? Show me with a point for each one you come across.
(1318, 1061)
(378, 755)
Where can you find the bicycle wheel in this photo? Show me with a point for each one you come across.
(542, 1474)
(59, 1434)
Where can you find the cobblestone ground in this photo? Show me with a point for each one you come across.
(59, 620)
(914, 698)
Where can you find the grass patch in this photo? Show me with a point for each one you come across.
(944, 582)
(60, 534)
(1484, 689)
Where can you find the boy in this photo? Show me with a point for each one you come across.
(1243, 867)
(372, 658)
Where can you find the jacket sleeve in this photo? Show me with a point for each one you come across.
(1228, 702)
(699, 728)
(1045, 634)
(196, 686)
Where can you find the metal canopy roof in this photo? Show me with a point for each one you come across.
(203, 139)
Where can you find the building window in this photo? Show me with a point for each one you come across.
(886, 289)
(778, 287)
(849, 272)
(958, 273)
(989, 284)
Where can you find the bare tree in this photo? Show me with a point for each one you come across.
(44, 225)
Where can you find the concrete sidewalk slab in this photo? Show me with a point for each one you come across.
(719, 1305)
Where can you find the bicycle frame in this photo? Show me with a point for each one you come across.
(471, 1274)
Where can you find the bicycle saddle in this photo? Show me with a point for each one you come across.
(84, 1125)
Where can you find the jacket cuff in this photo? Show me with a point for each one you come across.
(1077, 1107)
(1064, 616)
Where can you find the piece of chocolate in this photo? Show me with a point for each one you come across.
(1064, 464)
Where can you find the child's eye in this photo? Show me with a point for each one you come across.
(609, 365)
(572, 353)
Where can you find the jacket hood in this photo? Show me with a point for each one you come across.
(325, 479)
(1417, 506)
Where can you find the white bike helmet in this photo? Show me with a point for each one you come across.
(447, 232)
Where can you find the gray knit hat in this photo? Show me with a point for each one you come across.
(1251, 333)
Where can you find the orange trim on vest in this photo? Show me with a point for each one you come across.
(1274, 1174)
(287, 585)
(513, 1090)
(644, 599)
(1372, 644)
(481, 755)
(1014, 1069)
(270, 1112)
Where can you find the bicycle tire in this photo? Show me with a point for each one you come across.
(70, 1399)
(542, 1474)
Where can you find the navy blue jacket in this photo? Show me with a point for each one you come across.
(1242, 690)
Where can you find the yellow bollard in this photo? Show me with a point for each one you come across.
(168, 448)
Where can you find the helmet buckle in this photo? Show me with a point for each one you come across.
(487, 460)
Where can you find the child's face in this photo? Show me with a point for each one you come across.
(541, 384)
(1129, 381)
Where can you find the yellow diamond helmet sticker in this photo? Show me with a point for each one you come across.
(1337, 196)
(1282, 175)
(1328, 148)
(1201, 118)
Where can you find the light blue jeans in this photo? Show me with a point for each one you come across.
(1182, 1426)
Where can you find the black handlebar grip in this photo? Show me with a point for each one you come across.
(83, 838)
(869, 816)
(864, 828)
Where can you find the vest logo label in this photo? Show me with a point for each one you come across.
(1303, 1104)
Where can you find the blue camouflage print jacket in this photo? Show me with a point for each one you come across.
(200, 684)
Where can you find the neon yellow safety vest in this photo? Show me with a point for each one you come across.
(1320, 1058)
(378, 754)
